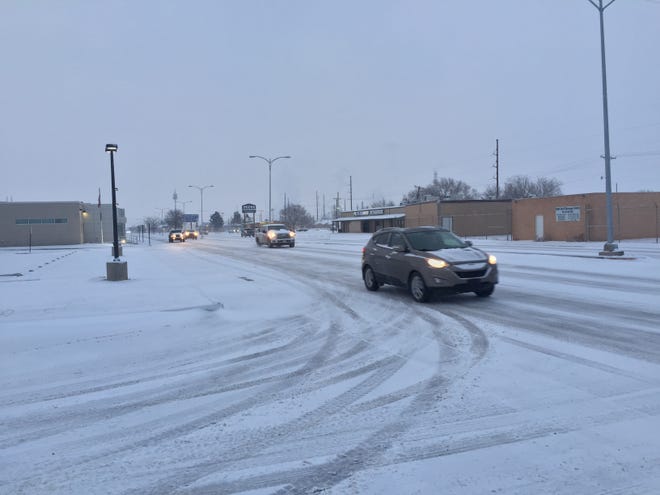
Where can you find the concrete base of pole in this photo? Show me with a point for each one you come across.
(116, 270)
(610, 249)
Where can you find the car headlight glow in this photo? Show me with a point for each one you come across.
(436, 263)
(271, 234)
(492, 260)
(292, 233)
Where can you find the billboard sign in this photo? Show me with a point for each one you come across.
(249, 208)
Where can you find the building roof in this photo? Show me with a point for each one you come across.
(370, 217)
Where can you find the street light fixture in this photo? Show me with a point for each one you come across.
(117, 270)
(201, 205)
(270, 165)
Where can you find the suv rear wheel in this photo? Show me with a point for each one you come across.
(369, 278)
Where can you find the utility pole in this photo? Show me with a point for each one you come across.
(174, 197)
(350, 185)
(323, 205)
(317, 206)
(610, 248)
(497, 169)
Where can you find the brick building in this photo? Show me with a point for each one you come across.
(583, 217)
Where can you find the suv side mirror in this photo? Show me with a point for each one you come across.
(400, 249)
(468, 243)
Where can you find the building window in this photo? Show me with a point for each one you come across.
(38, 221)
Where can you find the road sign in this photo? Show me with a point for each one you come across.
(249, 208)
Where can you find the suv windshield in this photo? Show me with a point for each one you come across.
(433, 240)
(276, 227)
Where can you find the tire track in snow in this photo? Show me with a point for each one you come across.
(372, 448)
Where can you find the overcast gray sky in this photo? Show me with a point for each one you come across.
(386, 92)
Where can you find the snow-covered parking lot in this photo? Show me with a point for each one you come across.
(223, 367)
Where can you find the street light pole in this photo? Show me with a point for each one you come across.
(201, 205)
(270, 165)
(112, 148)
(117, 269)
(610, 247)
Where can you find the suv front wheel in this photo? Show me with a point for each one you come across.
(418, 289)
(485, 291)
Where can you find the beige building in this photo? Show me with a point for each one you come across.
(57, 223)
(583, 217)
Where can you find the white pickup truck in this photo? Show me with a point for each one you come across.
(275, 234)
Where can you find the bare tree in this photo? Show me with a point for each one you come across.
(381, 203)
(546, 188)
(174, 219)
(443, 188)
(296, 216)
(152, 223)
(522, 186)
(490, 192)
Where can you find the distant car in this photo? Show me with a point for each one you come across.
(190, 234)
(176, 235)
(427, 259)
(247, 232)
(275, 234)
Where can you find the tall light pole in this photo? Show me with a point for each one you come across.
(270, 166)
(610, 248)
(112, 148)
(201, 205)
(117, 269)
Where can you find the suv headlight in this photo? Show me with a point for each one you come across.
(271, 234)
(436, 263)
(292, 233)
(492, 260)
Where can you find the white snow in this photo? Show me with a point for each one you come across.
(223, 367)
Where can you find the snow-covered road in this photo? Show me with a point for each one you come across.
(222, 367)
